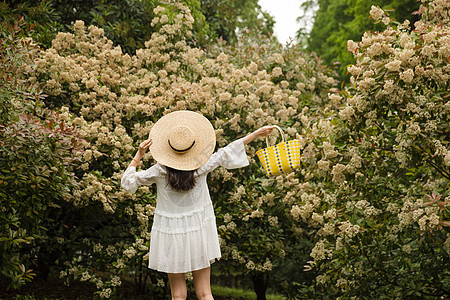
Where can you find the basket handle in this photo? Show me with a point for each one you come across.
(282, 135)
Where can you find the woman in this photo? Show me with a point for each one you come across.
(184, 235)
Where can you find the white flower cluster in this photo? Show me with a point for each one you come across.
(320, 252)
(376, 13)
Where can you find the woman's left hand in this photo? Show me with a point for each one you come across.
(261, 132)
(264, 131)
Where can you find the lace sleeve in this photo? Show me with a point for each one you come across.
(131, 179)
(231, 157)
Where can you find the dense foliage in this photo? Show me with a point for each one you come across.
(367, 215)
(336, 21)
(37, 153)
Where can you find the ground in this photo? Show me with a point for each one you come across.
(53, 289)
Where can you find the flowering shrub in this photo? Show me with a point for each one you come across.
(382, 179)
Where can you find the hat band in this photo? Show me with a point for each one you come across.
(183, 150)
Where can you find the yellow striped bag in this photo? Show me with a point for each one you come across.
(280, 158)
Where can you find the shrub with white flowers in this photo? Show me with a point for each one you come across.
(385, 169)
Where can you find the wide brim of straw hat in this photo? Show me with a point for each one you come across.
(203, 133)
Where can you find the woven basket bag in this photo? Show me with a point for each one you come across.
(281, 158)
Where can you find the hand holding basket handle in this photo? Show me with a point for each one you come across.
(281, 158)
(261, 132)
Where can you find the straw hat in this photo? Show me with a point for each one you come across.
(183, 140)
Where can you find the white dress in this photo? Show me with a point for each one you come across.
(184, 235)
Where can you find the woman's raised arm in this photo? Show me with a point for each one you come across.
(261, 132)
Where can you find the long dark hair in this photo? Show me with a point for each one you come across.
(181, 181)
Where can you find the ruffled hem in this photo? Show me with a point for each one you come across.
(162, 268)
(193, 221)
(172, 253)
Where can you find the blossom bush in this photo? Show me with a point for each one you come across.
(381, 181)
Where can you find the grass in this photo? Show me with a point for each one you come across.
(239, 294)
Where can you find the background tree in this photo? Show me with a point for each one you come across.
(337, 21)
(128, 23)
(227, 17)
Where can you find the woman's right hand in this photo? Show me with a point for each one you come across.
(143, 147)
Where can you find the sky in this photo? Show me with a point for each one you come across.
(285, 13)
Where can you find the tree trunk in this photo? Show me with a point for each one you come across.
(260, 281)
